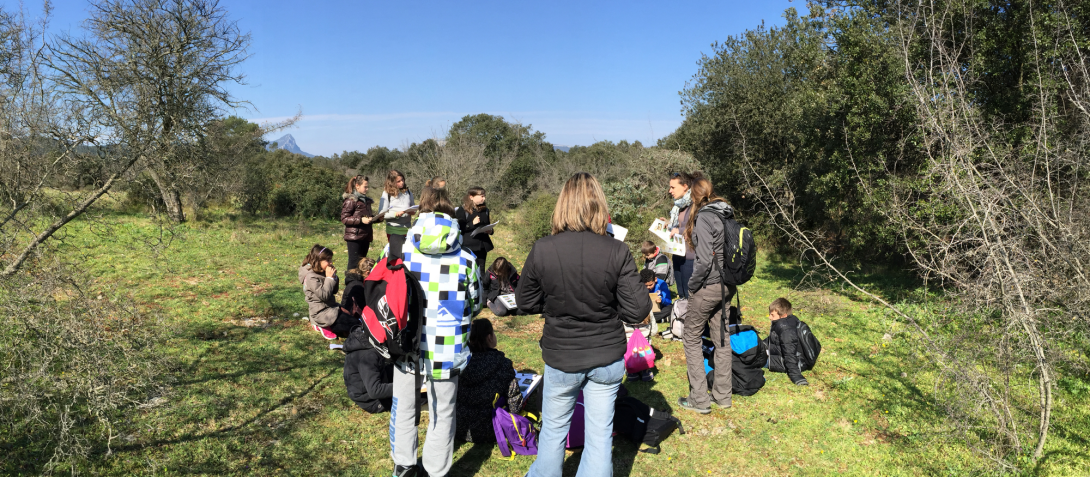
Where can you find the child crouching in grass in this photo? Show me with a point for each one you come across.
(783, 342)
(320, 285)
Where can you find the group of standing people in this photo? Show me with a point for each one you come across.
(583, 283)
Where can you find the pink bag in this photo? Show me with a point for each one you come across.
(639, 356)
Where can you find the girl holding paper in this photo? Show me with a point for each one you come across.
(396, 201)
(472, 215)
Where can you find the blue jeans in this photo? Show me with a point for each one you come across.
(683, 271)
(599, 386)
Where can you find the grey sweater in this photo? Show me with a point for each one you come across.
(708, 239)
(320, 293)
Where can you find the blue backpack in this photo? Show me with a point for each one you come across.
(747, 365)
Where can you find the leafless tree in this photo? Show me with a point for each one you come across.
(152, 74)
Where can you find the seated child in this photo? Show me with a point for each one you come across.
(783, 342)
(368, 377)
(500, 279)
(320, 284)
(660, 295)
(488, 373)
(655, 260)
(353, 300)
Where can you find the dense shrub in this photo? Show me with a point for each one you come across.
(285, 184)
(536, 214)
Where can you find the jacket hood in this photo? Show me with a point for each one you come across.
(346, 195)
(720, 207)
(435, 233)
(357, 341)
(304, 271)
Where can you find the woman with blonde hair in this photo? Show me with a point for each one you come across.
(584, 284)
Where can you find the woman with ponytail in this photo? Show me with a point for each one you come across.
(357, 217)
(705, 235)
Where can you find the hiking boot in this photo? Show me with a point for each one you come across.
(683, 402)
(722, 404)
(405, 471)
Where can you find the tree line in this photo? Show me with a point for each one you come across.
(950, 136)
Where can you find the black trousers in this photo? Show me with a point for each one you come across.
(482, 261)
(396, 242)
(357, 249)
(663, 315)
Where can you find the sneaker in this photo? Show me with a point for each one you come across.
(405, 471)
(634, 376)
(722, 404)
(683, 402)
(329, 335)
(647, 375)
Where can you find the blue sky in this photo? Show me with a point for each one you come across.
(393, 72)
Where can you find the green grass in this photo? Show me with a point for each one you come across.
(255, 391)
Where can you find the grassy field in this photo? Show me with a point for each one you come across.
(255, 391)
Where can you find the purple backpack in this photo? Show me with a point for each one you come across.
(513, 431)
(578, 429)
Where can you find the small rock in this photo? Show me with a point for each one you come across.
(904, 374)
(887, 337)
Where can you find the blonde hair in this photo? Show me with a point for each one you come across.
(581, 206)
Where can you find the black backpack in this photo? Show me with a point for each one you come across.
(639, 423)
(740, 251)
(809, 347)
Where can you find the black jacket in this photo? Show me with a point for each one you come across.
(368, 378)
(482, 242)
(488, 373)
(584, 285)
(493, 287)
(783, 348)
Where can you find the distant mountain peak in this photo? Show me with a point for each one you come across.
(287, 143)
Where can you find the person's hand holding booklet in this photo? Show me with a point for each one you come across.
(484, 229)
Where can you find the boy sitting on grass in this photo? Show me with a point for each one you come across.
(654, 259)
(660, 295)
(783, 342)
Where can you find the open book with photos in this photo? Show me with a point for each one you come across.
(508, 301)
(528, 383)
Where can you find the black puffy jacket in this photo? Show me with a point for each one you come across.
(368, 377)
(584, 285)
(783, 348)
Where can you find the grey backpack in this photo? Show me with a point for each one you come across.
(675, 328)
